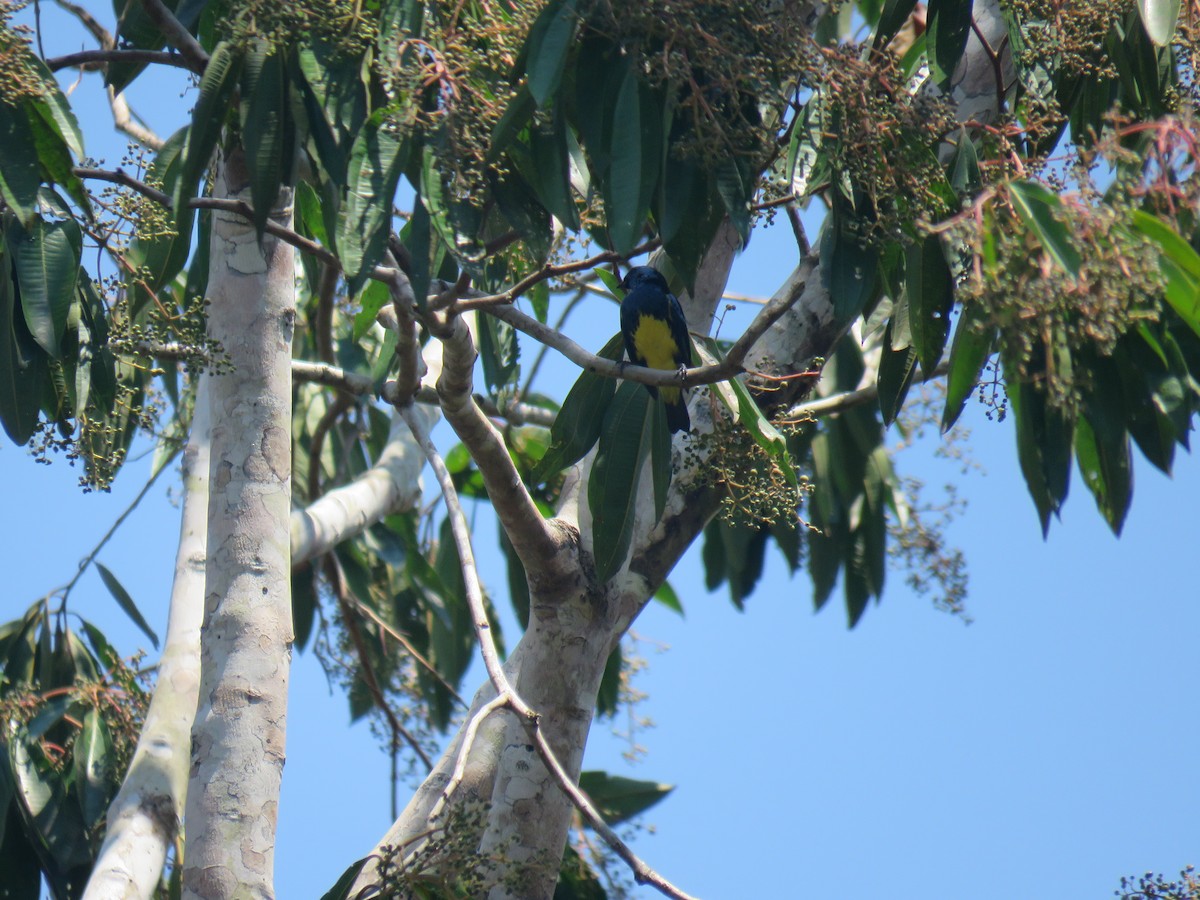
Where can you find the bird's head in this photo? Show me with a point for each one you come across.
(640, 275)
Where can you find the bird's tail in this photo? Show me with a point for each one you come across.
(677, 412)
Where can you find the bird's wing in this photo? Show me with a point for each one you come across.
(679, 331)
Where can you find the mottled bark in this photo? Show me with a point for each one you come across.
(240, 726)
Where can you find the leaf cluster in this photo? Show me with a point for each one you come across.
(70, 714)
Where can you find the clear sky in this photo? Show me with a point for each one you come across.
(1042, 751)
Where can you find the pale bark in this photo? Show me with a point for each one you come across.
(240, 726)
(144, 818)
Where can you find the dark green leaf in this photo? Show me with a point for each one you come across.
(94, 763)
(499, 352)
(612, 488)
(1036, 206)
(660, 454)
(19, 171)
(23, 364)
(577, 426)
(930, 288)
(47, 262)
(1180, 264)
(949, 27)
(895, 13)
(619, 799)
(550, 41)
(610, 685)
(969, 353)
(126, 603)
(217, 88)
(304, 603)
(849, 269)
(341, 888)
(896, 370)
(265, 119)
(1043, 449)
(376, 162)
(623, 184)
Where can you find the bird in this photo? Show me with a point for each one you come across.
(656, 335)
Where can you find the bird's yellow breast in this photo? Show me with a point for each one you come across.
(654, 343)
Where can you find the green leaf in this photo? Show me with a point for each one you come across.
(376, 162)
(47, 262)
(577, 426)
(612, 488)
(304, 603)
(23, 364)
(1104, 461)
(623, 184)
(551, 159)
(895, 13)
(1043, 449)
(53, 153)
(973, 339)
(949, 27)
(265, 119)
(126, 603)
(660, 454)
(1036, 206)
(94, 766)
(896, 370)
(498, 351)
(667, 597)
(1179, 262)
(619, 799)
(375, 296)
(930, 288)
(609, 696)
(217, 87)
(20, 175)
(1159, 18)
(550, 42)
(341, 887)
(849, 268)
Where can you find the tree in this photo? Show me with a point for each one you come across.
(541, 144)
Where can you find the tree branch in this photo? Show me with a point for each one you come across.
(537, 542)
(94, 60)
(177, 36)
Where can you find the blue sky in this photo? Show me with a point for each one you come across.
(1044, 750)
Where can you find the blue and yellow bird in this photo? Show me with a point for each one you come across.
(656, 335)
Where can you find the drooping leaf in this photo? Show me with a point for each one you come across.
(550, 41)
(375, 165)
(896, 371)
(612, 488)
(930, 289)
(969, 353)
(19, 172)
(578, 424)
(266, 120)
(23, 364)
(620, 799)
(891, 19)
(47, 262)
(208, 118)
(623, 186)
(94, 763)
(949, 27)
(126, 603)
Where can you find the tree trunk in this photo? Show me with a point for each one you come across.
(238, 736)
